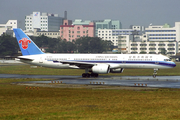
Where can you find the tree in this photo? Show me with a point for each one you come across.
(163, 51)
(71, 47)
(92, 45)
(41, 41)
(8, 45)
(108, 45)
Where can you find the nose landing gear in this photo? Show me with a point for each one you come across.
(155, 73)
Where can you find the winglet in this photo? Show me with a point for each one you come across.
(27, 46)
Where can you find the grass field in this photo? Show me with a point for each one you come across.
(19, 103)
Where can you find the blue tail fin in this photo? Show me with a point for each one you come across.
(27, 46)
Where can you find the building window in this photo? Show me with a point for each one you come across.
(152, 44)
(134, 44)
(152, 48)
(161, 48)
(171, 48)
(161, 44)
(171, 44)
(143, 44)
(170, 52)
(133, 48)
(143, 48)
(152, 52)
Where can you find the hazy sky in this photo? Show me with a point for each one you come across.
(129, 12)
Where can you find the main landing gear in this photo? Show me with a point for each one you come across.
(86, 74)
(90, 75)
(155, 73)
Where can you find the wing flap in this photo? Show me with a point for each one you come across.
(79, 64)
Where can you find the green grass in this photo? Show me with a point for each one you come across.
(19, 103)
(25, 69)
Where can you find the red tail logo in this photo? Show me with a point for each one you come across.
(24, 42)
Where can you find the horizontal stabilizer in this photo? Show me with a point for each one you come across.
(26, 59)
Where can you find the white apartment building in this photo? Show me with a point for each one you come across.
(8, 26)
(106, 34)
(38, 32)
(127, 45)
(44, 21)
(155, 40)
(165, 33)
(112, 34)
(163, 47)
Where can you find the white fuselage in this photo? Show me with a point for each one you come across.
(114, 60)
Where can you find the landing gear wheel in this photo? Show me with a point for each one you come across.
(94, 75)
(88, 75)
(85, 75)
(154, 76)
(155, 73)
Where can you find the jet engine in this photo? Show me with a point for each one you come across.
(119, 70)
(101, 69)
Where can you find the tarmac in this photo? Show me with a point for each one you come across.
(120, 81)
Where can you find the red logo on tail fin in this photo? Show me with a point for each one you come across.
(24, 42)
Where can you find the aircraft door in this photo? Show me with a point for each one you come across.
(124, 61)
(41, 60)
(156, 62)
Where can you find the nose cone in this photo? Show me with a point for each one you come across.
(173, 64)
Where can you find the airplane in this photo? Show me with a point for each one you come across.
(93, 64)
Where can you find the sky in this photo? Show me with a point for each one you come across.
(129, 12)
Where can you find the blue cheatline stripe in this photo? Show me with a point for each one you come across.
(128, 62)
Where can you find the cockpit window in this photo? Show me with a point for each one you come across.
(167, 59)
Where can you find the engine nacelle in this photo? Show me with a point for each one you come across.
(119, 70)
(101, 69)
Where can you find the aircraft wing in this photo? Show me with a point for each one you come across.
(79, 64)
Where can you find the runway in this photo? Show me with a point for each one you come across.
(141, 81)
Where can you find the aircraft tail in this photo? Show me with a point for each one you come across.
(27, 46)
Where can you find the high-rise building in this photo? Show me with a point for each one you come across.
(106, 24)
(44, 21)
